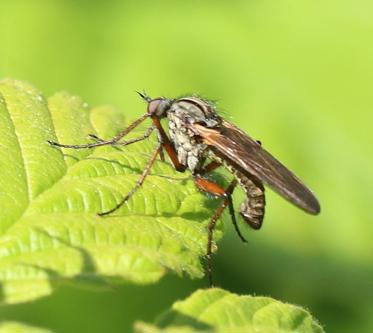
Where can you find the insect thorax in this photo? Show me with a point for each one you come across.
(192, 153)
(189, 152)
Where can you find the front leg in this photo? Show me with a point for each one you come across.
(167, 145)
(113, 141)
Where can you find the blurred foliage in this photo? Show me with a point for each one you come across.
(296, 75)
(14, 327)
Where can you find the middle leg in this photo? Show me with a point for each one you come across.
(139, 182)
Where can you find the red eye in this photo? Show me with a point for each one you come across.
(153, 105)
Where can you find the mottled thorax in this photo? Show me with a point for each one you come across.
(190, 152)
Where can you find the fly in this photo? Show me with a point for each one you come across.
(201, 141)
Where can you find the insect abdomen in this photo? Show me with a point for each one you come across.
(252, 209)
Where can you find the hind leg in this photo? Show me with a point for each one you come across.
(216, 190)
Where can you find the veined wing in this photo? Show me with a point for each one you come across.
(240, 150)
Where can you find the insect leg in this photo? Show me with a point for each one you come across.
(126, 143)
(96, 138)
(101, 142)
(209, 167)
(167, 145)
(143, 137)
(139, 182)
(215, 189)
(161, 155)
(161, 152)
(233, 217)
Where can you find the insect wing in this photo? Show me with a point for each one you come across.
(235, 146)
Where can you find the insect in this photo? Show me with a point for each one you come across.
(200, 140)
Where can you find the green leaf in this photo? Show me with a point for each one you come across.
(15, 327)
(49, 229)
(216, 310)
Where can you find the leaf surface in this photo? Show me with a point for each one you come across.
(49, 229)
(216, 310)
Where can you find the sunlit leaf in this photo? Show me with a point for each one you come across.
(50, 231)
(218, 311)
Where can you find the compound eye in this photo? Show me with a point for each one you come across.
(153, 105)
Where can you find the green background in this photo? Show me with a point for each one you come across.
(295, 74)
